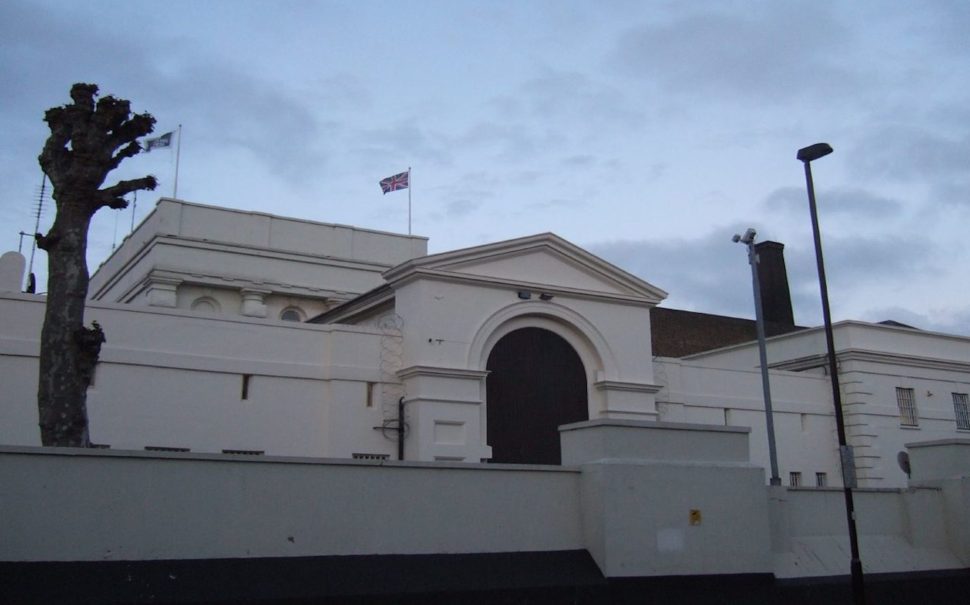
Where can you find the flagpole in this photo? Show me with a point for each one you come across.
(178, 154)
(134, 206)
(409, 200)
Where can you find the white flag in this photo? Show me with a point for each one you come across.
(158, 142)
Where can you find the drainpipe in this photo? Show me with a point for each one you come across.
(400, 428)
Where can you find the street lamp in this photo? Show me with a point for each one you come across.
(807, 155)
(748, 240)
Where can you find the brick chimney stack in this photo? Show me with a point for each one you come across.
(775, 295)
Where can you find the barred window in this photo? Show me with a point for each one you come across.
(794, 479)
(365, 456)
(960, 411)
(908, 414)
(821, 480)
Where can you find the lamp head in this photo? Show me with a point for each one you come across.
(814, 152)
(747, 238)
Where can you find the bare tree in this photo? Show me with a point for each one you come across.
(88, 140)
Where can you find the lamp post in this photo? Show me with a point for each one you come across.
(807, 155)
(748, 240)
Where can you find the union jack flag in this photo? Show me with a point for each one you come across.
(393, 183)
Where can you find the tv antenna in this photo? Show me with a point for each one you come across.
(38, 211)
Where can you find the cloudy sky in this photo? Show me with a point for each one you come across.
(648, 132)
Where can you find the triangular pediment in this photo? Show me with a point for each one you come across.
(544, 262)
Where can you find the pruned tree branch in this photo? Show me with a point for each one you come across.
(128, 151)
(88, 140)
(45, 242)
(113, 197)
(83, 95)
(134, 128)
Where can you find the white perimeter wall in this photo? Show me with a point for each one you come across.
(171, 378)
(135, 505)
(637, 517)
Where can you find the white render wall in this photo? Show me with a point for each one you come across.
(144, 505)
(260, 231)
(693, 506)
(873, 360)
(806, 440)
(174, 379)
(170, 378)
(229, 301)
(182, 249)
(899, 529)
(449, 329)
(176, 375)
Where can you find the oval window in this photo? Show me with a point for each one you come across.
(291, 314)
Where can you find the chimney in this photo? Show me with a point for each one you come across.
(775, 295)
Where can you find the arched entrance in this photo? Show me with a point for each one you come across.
(536, 383)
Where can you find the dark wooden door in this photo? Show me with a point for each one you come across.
(536, 382)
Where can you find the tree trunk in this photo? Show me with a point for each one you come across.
(62, 391)
(87, 141)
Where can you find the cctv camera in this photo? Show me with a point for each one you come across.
(747, 238)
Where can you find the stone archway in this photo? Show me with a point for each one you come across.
(536, 383)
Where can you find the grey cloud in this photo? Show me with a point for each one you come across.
(236, 109)
(605, 166)
(553, 91)
(853, 266)
(710, 273)
(461, 207)
(553, 205)
(949, 24)
(224, 106)
(855, 203)
(343, 92)
(906, 153)
(39, 39)
(470, 189)
(558, 93)
(950, 194)
(509, 140)
(857, 261)
(950, 322)
(768, 54)
(524, 177)
(405, 138)
(536, 109)
(580, 160)
(401, 135)
(526, 124)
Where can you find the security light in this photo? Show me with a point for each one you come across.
(747, 238)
